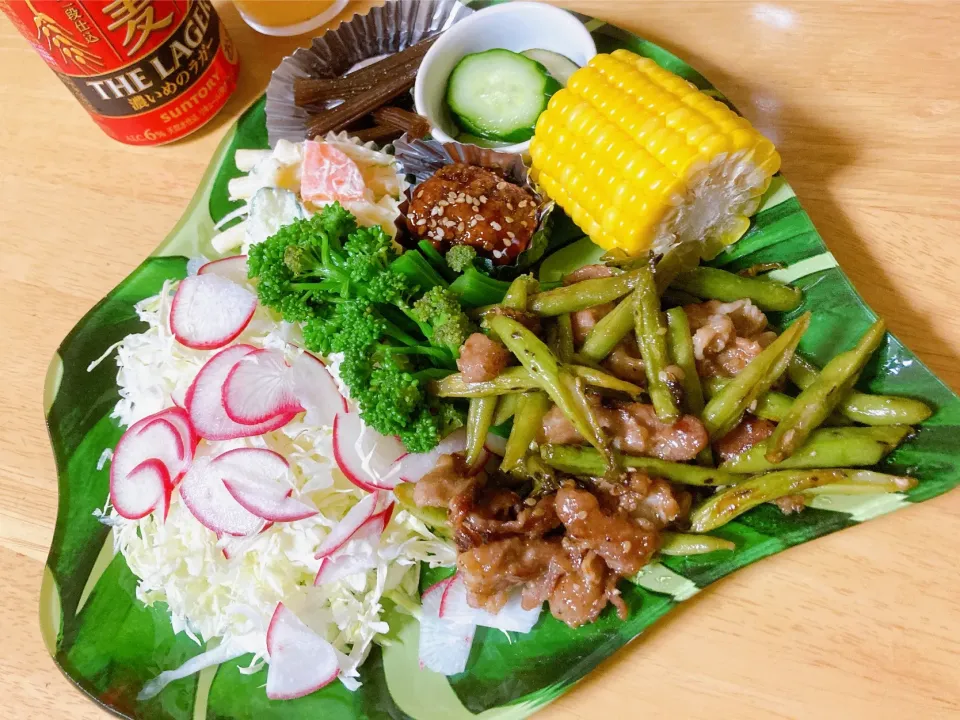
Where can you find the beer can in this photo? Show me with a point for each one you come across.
(148, 71)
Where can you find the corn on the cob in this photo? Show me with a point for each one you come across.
(640, 159)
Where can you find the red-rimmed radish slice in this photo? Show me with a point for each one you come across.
(155, 437)
(496, 444)
(260, 387)
(204, 400)
(209, 311)
(233, 268)
(254, 477)
(367, 458)
(351, 522)
(511, 618)
(357, 555)
(444, 646)
(301, 662)
(265, 504)
(181, 420)
(316, 390)
(414, 466)
(209, 501)
(145, 488)
(329, 174)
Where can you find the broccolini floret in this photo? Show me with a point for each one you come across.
(336, 279)
(461, 257)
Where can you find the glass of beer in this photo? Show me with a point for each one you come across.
(288, 17)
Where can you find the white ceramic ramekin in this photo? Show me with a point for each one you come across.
(514, 26)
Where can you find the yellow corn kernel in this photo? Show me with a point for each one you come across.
(639, 158)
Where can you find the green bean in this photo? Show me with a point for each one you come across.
(681, 348)
(609, 330)
(519, 379)
(519, 292)
(526, 424)
(818, 400)
(584, 461)
(433, 517)
(582, 295)
(603, 380)
(725, 409)
(772, 405)
(565, 348)
(651, 337)
(479, 420)
(866, 482)
(724, 506)
(674, 543)
(713, 284)
(511, 380)
(563, 388)
(506, 408)
(863, 407)
(680, 258)
(830, 448)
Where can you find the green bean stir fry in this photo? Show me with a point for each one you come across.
(671, 371)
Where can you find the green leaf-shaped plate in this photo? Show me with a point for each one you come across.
(109, 644)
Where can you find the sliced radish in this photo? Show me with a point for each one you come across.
(142, 490)
(265, 504)
(254, 478)
(233, 268)
(414, 466)
(204, 400)
(351, 522)
(511, 618)
(496, 444)
(178, 417)
(317, 391)
(359, 554)
(444, 645)
(209, 501)
(260, 387)
(209, 311)
(301, 662)
(367, 458)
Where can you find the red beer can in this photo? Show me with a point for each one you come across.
(148, 71)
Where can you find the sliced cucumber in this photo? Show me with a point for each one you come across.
(499, 94)
(559, 66)
(468, 139)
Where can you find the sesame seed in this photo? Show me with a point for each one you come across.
(509, 206)
(451, 196)
(523, 223)
(420, 194)
(508, 219)
(460, 227)
(483, 198)
(469, 199)
(478, 217)
(506, 242)
(511, 235)
(501, 185)
(422, 221)
(443, 203)
(461, 197)
(523, 203)
(495, 225)
(447, 223)
(497, 254)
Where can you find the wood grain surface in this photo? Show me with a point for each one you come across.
(863, 101)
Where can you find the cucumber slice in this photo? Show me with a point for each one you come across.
(468, 139)
(559, 66)
(499, 94)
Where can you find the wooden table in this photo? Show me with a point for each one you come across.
(863, 101)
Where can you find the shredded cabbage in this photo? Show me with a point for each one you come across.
(231, 599)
